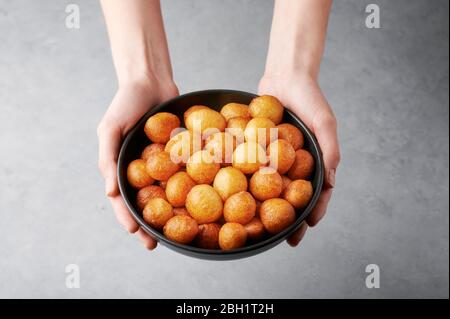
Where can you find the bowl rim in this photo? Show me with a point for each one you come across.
(270, 241)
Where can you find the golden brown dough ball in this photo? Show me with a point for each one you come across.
(231, 110)
(137, 174)
(239, 208)
(266, 184)
(157, 212)
(299, 193)
(229, 181)
(148, 192)
(181, 228)
(208, 236)
(267, 106)
(291, 134)
(205, 119)
(303, 165)
(192, 109)
(204, 204)
(180, 211)
(249, 157)
(183, 145)
(255, 229)
(159, 126)
(260, 130)
(202, 167)
(236, 127)
(150, 149)
(160, 166)
(281, 155)
(221, 146)
(276, 214)
(232, 236)
(177, 188)
(286, 181)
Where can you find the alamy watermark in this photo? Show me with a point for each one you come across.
(373, 279)
(73, 276)
(373, 17)
(72, 20)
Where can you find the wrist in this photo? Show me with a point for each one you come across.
(285, 77)
(294, 63)
(142, 74)
(148, 83)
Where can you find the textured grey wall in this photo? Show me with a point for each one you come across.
(389, 88)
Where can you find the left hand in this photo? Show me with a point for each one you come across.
(302, 95)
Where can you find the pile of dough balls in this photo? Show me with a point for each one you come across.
(225, 180)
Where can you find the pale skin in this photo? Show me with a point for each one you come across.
(141, 59)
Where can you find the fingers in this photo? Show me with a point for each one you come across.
(109, 140)
(123, 215)
(321, 207)
(126, 220)
(146, 239)
(296, 237)
(325, 129)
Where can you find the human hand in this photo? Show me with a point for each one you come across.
(302, 95)
(129, 104)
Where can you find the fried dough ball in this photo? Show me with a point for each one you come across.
(204, 204)
(281, 155)
(202, 167)
(192, 109)
(291, 134)
(183, 145)
(160, 166)
(236, 127)
(208, 236)
(177, 188)
(204, 119)
(286, 181)
(267, 106)
(231, 110)
(150, 149)
(221, 146)
(137, 174)
(255, 229)
(159, 126)
(266, 184)
(260, 130)
(229, 181)
(299, 193)
(276, 214)
(148, 192)
(303, 165)
(232, 236)
(180, 211)
(249, 157)
(181, 228)
(239, 208)
(157, 212)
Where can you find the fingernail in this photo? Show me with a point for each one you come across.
(332, 177)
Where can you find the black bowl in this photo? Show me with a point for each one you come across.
(136, 140)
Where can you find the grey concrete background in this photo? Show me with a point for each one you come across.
(389, 89)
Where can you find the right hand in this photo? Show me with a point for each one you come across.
(129, 104)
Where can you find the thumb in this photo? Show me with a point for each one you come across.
(325, 129)
(109, 139)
